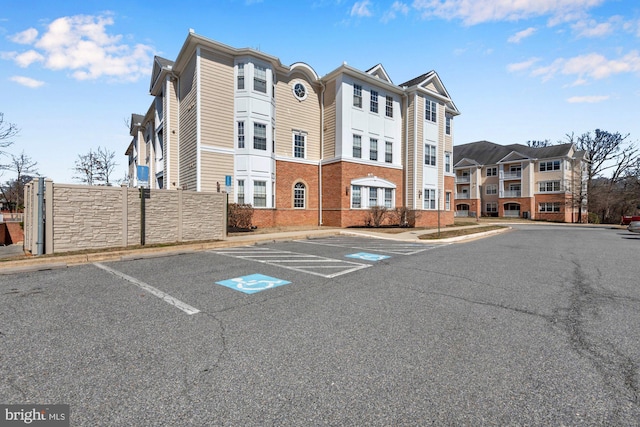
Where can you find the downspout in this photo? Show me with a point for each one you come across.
(198, 124)
(415, 149)
(406, 146)
(321, 155)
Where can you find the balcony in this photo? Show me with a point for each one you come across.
(463, 179)
(460, 196)
(512, 193)
(512, 214)
(512, 175)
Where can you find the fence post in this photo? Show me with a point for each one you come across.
(48, 215)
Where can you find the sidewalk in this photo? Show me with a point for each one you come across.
(13, 259)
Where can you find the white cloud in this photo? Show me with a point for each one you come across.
(591, 28)
(27, 58)
(587, 99)
(591, 66)
(82, 45)
(27, 81)
(521, 66)
(361, 9)
(473, 12)
(25, 37)
(517, 37)
(396, 7)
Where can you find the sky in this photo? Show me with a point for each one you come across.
(73, 72)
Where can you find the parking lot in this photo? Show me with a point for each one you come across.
(538, 326)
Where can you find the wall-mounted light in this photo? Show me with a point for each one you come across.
(419, 194)
(346, 191)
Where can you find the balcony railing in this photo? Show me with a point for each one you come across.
(512, 193)
(462, 196)
(512, 175)
(463, 179)
(512, 214)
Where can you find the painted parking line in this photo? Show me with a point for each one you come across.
(306, 263)
(154, 291)
(375, 245)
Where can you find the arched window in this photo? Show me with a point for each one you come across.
(298, 195)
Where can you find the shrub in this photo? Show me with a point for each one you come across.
(375, 216)
(239, 215)
(404, 216)
(594, 218)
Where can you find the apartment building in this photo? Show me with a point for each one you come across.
(302, 149)
(546, 183)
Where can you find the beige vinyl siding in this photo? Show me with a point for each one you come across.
(216, 100)
(420, 156)
(330, 120)
(170, 136)
(299, 115)
(215, 167)
(411, 161)
(188, 127)
(441, 146)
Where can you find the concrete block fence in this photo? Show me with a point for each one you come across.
(78, 217)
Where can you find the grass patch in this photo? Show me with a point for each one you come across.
(445, 234)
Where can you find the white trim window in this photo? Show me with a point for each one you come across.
(447, 161)
(259, 136)
(447, 202)
(259, 194)
(373, 196)
(388, 152)
(549, 207)
(388, 198)
(259, 78)
(447, 126)
(356, 196)
(240, 82)
(553, 165)
(492, 208)
(357, 146)
(388, 110)
(241, 134)
(430, 198)
(429, 155)
(549, 186)
(299, 144)
(430, 110)
(492, 171)
(373, 149)
(373, 106)
(357, 96)
(492, 189)
(299, 191)
(241, 191)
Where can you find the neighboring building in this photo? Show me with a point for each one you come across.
(302, 149)
(547, 183)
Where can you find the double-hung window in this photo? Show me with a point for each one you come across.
(550, 166)
(259, 136)
(549, 186)
(429, 155)
(241, 191)
(374, 102)
(357, 96)
(240, 134)
(429, 198)
(240, 76)
(373, 196)
(373, 149)
(260, 194)
(356, 196)
(299, 139)
(388, 198)
(492, 189)
(357, 146)
(447, 161)
(388, 152)
(430, 110)
(388, 111)
(447, 126)
(549, 207)
(493, 171)
(259, 79)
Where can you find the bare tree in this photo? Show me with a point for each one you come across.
(87, 168)
(25, 169)
(7, 131)
(106, 164)
(539, 143)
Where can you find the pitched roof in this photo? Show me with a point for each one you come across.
(418, 79)
(488, 153)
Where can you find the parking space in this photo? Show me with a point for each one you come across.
(372, 245)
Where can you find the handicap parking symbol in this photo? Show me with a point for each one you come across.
(253, 283)
(367, 256)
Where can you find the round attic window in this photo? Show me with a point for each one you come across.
(300, 91)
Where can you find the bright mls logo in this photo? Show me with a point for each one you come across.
(34, 415)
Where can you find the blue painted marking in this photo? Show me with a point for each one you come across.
(367, 256)
(253, 283)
